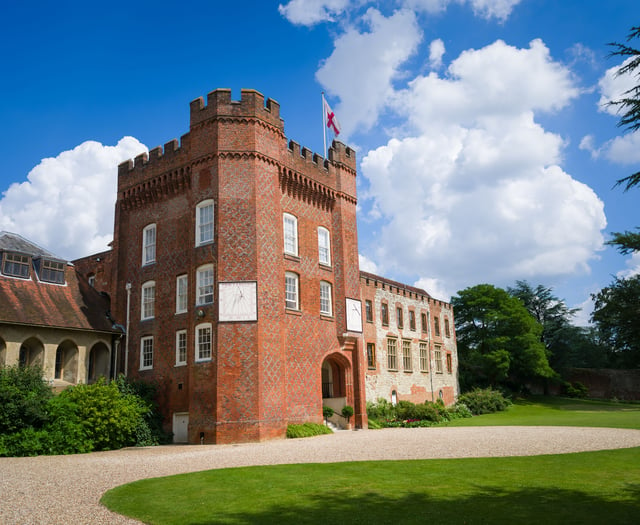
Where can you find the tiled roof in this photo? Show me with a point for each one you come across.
(74, 305)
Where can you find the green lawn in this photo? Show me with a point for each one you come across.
(593, 487)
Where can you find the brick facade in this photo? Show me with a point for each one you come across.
(281, 366)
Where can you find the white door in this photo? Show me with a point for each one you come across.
(181, 427)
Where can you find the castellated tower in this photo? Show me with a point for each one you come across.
(235, 259)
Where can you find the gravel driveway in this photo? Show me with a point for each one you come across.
(67, 489)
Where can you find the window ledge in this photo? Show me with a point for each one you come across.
(207, 360)
(292, 257)
(326, 317)
(291, 311)
(325, 267)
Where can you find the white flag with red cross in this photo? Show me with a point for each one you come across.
(330, 118)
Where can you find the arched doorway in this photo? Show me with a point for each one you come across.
(31, 353)
(335, 390)
(66, 368)
(99, 358)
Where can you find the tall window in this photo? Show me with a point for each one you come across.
(52, 271)
(449, 364)
(424, 357)
(438, 358)
(291, 291)
(146, 353)
(205, 285)
(424, 322)
(148, 300)
(392, 354)
(325, 298)
(406, 356)
(368, 308)
(436, 326)
(290, 226)
(15, 265)
(324, 246)
(447, 331)
(399, 317)
(181, 347)
(149, 244)
(371, 355)
(203, 342)
(204, 222)
(181, 294)
(384, 313)
(412, 320)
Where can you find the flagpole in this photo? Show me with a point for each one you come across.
(324, 127)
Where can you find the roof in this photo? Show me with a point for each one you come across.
(74, 305)
(401, 286)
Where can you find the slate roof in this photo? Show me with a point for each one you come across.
(74, 305)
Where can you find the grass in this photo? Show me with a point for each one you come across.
(592, 487)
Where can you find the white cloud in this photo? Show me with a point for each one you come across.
(363, 65)
(500, 9)
(436, 288)
(633, 267)
(436, 52)
(476, 191)
(613, 87)
(67, 203)
(367, 265)
(624, 149)
(311, 12)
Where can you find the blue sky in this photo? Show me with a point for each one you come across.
(486, 151)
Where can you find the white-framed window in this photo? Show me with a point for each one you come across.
(325, 298)
(424, 357)
(324, 246)
(148, 300)
(392, 354)
(203, 342)
(205, 285)
(149, 244)
(292, 291)
(146, 353)
(407, 362)
(437, 351)
(181, 294)
(290, 226)
(204, 222)
(181, 347)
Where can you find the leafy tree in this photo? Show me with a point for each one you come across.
(23, 398)
(617, 317)
(629, 107)
(499, 341)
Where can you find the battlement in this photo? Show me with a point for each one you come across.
(338, 153)
(171, 150)
(251, 104)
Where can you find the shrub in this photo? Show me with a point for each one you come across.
(24, 396)
(484, 401)
(347, 412)
(576, 389)
(307, 430)
(327, 412)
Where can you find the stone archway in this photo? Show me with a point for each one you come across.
(336, 391)
(99, 361)
(31, 353)
(66, 367)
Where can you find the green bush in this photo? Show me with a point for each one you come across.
(327, 412)
(24, 396)
(347, 412)
(307, 430)
(484, 401)
(406, 414)
(576, 389)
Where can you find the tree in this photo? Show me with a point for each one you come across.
(617, 317)
(23, 398)
(629, 107)
(499, 341)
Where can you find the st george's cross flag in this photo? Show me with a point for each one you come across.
(330, 118)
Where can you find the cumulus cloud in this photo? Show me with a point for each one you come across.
(436, 52)
(633, 267)
(475, 190)
(367, 265)
(67, 202)
(613, 87)
(499, 9)
(363, 65)
(311, 12)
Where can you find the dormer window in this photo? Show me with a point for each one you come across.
(15, 265)
(52, 271)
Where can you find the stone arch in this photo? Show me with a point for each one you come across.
(3, 352)
(31, 353)
(66, 367)
(335, 370)
(99, 362)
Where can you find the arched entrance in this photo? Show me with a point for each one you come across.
(99, 358)
(335, 389)
(66, 368)
(31, 353)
